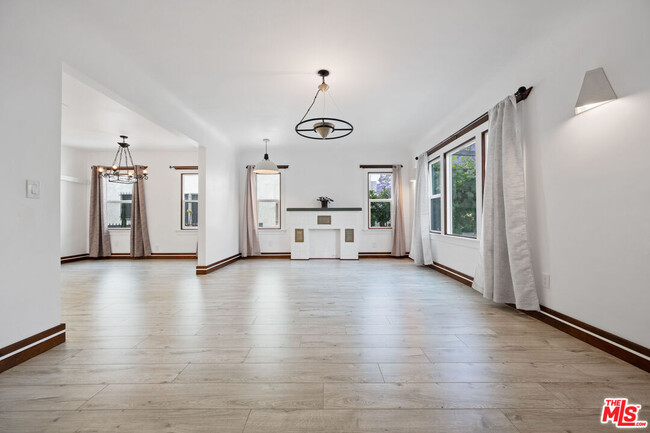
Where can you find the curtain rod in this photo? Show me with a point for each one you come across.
(184, 167)
(378, 165)
(281, 167)
(521, 94)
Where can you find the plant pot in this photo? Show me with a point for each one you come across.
(323, 204)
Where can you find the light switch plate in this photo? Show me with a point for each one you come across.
(33, 188)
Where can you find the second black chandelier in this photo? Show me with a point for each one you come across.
(323, 128)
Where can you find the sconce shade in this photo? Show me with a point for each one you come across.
(596, 90)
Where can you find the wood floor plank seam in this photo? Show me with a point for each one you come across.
(180, 372)
(247, 418)
(382, 374)
(509, 420)
(105, 386)
(247, 353)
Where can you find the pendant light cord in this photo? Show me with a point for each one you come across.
(312, 104)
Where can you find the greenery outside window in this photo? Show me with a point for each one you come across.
(268, 201)
(461, 190)
(435, 195)
(380, 200)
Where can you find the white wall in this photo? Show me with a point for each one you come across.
(30, 120)
(162, 189)
(588, 187)
(332, 170)
(219, 217)
(75, 194)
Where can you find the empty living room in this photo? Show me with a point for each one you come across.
(361, 216)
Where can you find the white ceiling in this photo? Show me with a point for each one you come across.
(249, 67)
(92, 120)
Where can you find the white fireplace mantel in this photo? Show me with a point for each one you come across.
(325, 233)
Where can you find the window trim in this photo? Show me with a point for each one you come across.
(440, 195)
(278, 201)
(380, 200)
(483, 155)
(447, 209)
(183, 201)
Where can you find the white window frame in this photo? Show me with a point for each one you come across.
(183, 201)
(278, 202)
(380, 200)
(439, 195)
(107, 201)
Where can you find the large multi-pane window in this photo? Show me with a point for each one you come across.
(435, 195)
(118, 198)
(189, 201)
(380, 200)
(268, 201)
(461, 190)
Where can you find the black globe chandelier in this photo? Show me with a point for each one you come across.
(323, 128)
(123, 169)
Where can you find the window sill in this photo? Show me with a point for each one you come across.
(114, 229)
(455, 240)
(261, 230)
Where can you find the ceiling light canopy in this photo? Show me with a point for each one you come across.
(323, 128)
(595, 91)
(266, 166)
(123, 168)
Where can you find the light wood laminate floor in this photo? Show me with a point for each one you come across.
(373, 345)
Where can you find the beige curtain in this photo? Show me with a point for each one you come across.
(140, 245)
(250, 239)
(99, 241)
(399, 241)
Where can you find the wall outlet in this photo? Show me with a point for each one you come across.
(33, 188)
(546, 281)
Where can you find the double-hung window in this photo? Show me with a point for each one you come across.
(380, 200)
(118, 198)
(461, 190)
(435, 173)
(189, 201)
(456, 178)
(268, 201)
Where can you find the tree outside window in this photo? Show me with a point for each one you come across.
(435, 196)
(380, 199)
(462, 191)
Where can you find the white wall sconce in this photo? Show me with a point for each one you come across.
(595, 91)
